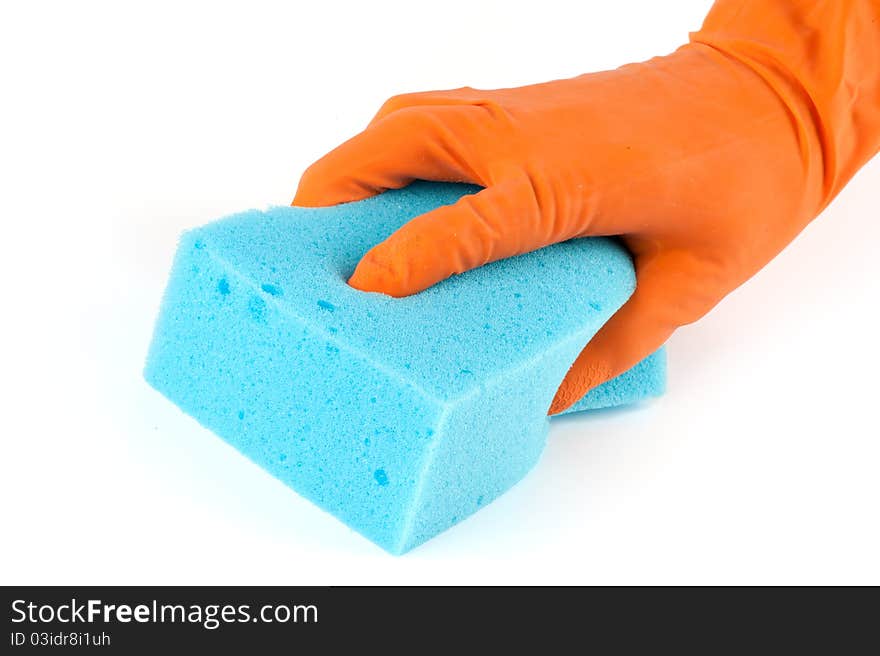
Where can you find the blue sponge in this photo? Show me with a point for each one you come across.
(399, 416)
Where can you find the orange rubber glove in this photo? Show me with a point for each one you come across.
(707, 162)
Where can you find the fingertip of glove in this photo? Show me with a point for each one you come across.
(580, 380)
(565, 398)
(371, 275)
(305, 196)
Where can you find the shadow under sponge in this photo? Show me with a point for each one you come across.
(399, 416)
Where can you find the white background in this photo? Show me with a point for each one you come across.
(122, 126)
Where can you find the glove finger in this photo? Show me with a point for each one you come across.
(673, 289)
(498, 222)
(427, 143)
(461, 96)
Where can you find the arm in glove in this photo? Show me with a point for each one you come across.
(707, 162)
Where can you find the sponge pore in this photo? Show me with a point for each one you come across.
(399, 416)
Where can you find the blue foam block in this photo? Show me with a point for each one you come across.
(399, 416)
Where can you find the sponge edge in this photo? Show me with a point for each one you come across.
(399, 416)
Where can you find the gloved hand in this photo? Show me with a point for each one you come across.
(707, 162)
